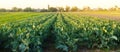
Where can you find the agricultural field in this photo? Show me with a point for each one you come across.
(114, 15)
(57, 31)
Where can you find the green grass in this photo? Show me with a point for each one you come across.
(16, 16)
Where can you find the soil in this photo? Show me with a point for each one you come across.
(104, 16)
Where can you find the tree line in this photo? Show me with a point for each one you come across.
(58, 9)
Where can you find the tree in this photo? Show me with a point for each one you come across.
(28, 9)
(61, 9)
(43, 10)
(100, 9)
(15, 9)
(19, 9)
(52, 9)
(86, 8)
(67, 9)
(3, 10)
(74, 9)
(116, 7)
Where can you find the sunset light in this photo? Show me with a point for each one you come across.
(55, 3)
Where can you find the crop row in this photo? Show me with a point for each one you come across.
(64, 31)
(75, 31)
(27, 35)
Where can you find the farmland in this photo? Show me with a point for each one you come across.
(34, 32)
(114, 15)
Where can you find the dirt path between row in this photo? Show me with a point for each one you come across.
(117, 18)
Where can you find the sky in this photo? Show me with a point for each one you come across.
(61, 3)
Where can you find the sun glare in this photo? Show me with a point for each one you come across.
(55, 3)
